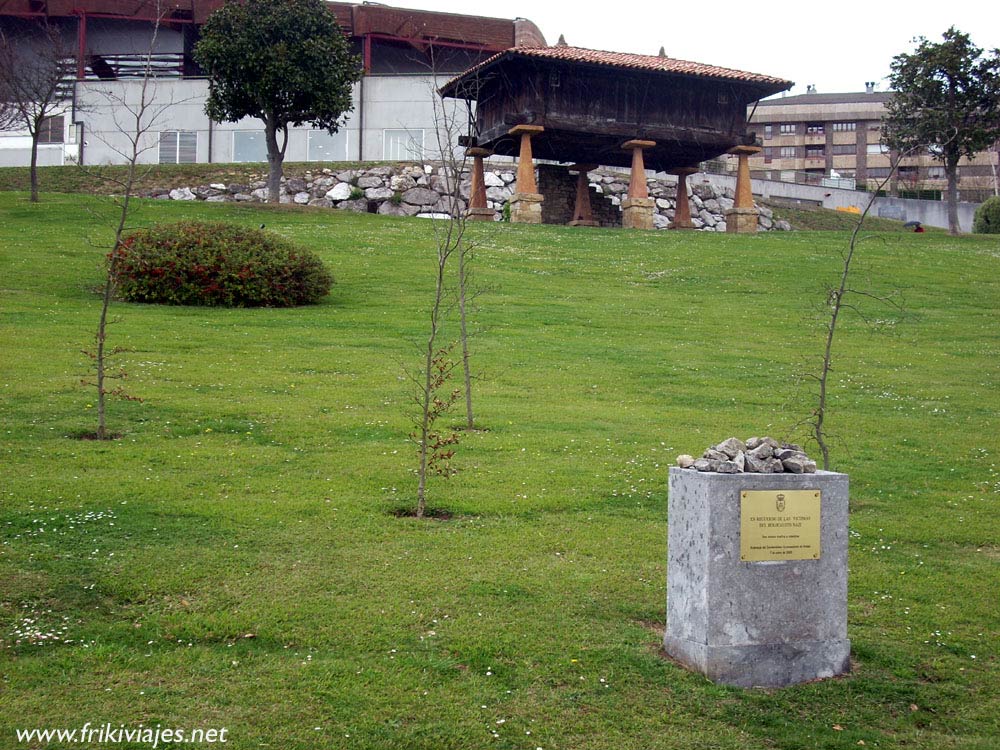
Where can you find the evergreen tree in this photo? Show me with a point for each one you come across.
(947, 99)
(285, 62)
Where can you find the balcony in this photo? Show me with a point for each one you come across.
(111, 67)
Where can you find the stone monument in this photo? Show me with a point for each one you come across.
(757, 576)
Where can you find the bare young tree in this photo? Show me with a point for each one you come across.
(32, 72)
(837, 301)
(433, 451)
(455, 164)
(434, 397)
(135, 112)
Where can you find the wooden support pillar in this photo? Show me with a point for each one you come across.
(637, 209)
(526, 203)
(682, 208)
(478, 210)
(742, 217)
(583, 216)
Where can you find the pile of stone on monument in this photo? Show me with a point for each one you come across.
(759, 455)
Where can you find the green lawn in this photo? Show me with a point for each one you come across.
(234, 561)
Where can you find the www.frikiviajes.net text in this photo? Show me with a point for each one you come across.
(110, 734)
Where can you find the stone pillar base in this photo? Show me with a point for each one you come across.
(637, 213)
(765, 665)
(742, 220)
(481, 214)
(584, 223)
(526, 208)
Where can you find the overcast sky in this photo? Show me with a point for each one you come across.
(835, 45)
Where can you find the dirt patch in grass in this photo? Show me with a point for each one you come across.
(433, 514)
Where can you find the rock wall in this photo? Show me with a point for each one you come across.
(426, 191)
(559, 188)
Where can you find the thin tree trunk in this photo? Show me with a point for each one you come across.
(275, 157)
(34, 165)
(427, 396)
(425, 423)
(102, 327)
(470, 422)
(951, 169)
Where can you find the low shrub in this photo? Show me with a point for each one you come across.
(987, 220)
(217, 264)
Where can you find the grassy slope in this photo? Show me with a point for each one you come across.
(167, 176)
(72, 179)
(252, 491)
(825, 220)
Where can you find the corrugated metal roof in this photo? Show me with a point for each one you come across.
(854, 97)
(629, 61)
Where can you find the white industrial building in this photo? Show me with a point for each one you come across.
(406, 55)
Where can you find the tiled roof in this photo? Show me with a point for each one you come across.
(626, 60)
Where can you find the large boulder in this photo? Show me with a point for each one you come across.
(420, 196)
(182, 194)
(359, 205)
(339, 192)
(401, 209)
(378, 194)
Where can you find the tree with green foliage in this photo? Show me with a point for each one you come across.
(987, 219)
(285, 62)
(947, 99)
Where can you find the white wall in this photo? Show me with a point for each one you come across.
(395, 103)
(931, 213)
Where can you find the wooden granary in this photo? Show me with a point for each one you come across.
(587, 107)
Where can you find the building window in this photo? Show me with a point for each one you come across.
(50, 130)
(768, 132)
(935, 173)
(815, 152)
(249, 146)
(878, 173)
(814, 128)
(877, 148)
(843, 127)
(787, 152)
(178, 147)
(768, 154)
(326, 147)
(402, 145)
(788, 129)
(845, 149)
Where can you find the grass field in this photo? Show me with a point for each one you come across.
(72, 179)
(234, 562)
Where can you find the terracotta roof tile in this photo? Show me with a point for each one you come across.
(631, 61)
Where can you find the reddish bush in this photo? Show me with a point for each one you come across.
(201, 263)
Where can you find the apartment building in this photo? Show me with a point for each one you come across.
(837, 139)
(406, 55)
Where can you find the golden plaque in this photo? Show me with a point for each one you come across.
(779, 525)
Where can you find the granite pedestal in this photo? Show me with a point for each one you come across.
(754, 624)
